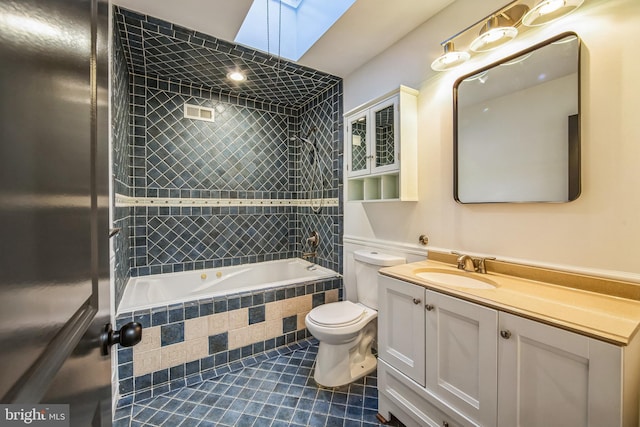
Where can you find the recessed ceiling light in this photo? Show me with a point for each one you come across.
(236, 76)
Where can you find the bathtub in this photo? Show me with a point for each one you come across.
(170, 288)
(200, 324)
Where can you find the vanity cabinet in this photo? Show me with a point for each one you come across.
(381, 148)
(444, 361)
(549, 377)
(445, 345)
(401, 327)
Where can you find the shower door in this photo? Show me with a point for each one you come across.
(54, 261)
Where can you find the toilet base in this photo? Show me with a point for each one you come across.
(364, 368)
(341, 364)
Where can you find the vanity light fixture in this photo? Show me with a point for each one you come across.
(236, 76)
(499, 28)
(450, 58)
(549, 10)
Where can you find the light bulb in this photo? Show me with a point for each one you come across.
(236, 76)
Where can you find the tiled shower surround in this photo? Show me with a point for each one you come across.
(190, 342)
(121, 167)
(246, 154)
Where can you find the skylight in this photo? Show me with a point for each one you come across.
(303, 23)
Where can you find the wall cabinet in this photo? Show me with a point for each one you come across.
(483, 367)
(381, 148)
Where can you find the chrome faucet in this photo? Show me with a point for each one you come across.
(313, 241)
(472, 265)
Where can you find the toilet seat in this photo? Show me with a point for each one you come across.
(337, 314)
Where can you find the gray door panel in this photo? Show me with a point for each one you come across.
(54, 261)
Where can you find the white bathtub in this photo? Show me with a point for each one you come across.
(170, 288)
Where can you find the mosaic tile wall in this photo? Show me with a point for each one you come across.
(191, 238)
(245, 154)
(121, 165)
(325, 114)
(245, 149)
(187, 343)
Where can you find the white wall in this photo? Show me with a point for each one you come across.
(600, 230)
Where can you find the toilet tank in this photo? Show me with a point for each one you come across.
(367, 264)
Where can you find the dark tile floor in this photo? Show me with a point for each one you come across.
(279, 391)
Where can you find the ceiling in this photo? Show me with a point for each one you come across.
(157, 48)
(368, 28)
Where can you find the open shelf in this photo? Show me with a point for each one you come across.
(374, 188)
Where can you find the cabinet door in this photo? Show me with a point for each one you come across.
(401, 327)
(358, 151)
(385, 136)
(549, 377)
(461, 356)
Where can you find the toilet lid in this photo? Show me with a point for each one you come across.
(341, 313)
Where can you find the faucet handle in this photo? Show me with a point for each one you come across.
(314, 239)
(458, 254)
(480, 265)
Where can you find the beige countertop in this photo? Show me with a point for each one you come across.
(605, 317)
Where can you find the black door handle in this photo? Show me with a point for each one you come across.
(128, 336)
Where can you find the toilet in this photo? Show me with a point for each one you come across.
(345, 329)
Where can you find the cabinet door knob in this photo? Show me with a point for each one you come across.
(505, 334)
(429, 307)
(445, 424)
(417, 301)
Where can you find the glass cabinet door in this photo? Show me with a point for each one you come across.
(385, 129)
(358, 144)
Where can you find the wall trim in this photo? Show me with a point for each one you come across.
(417, 250)
(127, 201)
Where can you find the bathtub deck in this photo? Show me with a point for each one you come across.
(279, 391)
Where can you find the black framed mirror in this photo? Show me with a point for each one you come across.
(517, 127)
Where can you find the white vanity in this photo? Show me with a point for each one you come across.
(512, 353)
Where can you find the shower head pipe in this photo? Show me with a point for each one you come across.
(298, 137)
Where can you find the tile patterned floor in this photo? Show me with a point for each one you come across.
(279, 391)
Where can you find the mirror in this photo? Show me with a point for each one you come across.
(517, 127)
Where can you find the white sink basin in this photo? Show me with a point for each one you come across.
(451, 278)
